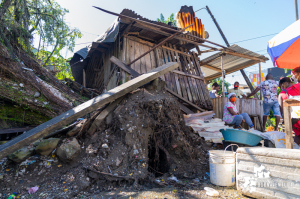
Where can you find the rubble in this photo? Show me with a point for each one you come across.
(21, 154)
(68, 150)
(46, 146)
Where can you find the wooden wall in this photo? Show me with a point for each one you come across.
(188, 82)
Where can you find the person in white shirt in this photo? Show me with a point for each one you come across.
(214, 91)
(236, 90)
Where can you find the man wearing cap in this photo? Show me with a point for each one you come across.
(237, 91)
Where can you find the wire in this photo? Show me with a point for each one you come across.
(253, 38)
(200, 9)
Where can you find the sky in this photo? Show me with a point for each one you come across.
(240, 20)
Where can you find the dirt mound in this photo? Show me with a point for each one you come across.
(138, 145)
(145, 137)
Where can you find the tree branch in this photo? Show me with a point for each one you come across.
(51, 53)
(4, 7)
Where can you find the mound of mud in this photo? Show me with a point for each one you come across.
(143, 138)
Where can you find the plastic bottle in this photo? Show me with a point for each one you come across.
(12, 196)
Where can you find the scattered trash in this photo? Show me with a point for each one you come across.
(196, 180)
(211, 191)
(12, 196)
(173, 178)
(59, 165)
(208, 174)
(33, 190)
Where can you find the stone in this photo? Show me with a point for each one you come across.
(37, 94)
(21, 154)
(84, 184)
(45, 147)
(105, 146)
(68, 151)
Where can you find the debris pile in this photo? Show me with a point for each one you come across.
(139, 142)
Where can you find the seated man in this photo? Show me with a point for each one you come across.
(236, 90)
(232, 116)
(214, 91)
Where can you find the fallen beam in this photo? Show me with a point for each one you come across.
(188, 75)
(83, 109)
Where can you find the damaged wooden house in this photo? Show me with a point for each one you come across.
(129, 39)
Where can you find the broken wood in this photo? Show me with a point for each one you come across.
(83, 109)
(97, 122)
(15, 130)
(185, 109)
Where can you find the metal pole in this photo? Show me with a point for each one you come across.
(223, 93)
(296, 10)
(216, 23)
(227, 43)
(260, 95)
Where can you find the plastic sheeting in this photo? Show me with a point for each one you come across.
(111, 33)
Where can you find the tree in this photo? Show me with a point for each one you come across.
(219, 82)
(170, 19)
(39, 19)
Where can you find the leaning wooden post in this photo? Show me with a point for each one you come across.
(288, 125)
(223, 93)
(260, 95)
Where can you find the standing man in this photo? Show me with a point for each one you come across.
(238, 93)
(269, 90)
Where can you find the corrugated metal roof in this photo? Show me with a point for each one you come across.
(230, 63)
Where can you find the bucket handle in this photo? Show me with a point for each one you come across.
(229, 146)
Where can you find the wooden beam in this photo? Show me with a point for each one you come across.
(245, 56)
(212, 68)
(178, 51)
(83, 109)
(288, 126)
(15, 130)
(185, 100)
(124, 67)
(187, 74)
(185, 109)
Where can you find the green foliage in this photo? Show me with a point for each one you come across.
(170, 19)
(219, 82)
(42, 20)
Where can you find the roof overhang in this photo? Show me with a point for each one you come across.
(237, 59)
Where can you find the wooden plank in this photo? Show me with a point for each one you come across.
(172, 55)
(153, 60)
(172, 77)
(288, 126)
(185, 100)
(147, 59)
(178, 51)
(187, 75)
(159, 60)
(97, 122)
(143, 60)
(83, 109)
(185, 109)
(137, 53)
(185, 68)
(181, 79)
(15, 130)
(167, 75)
(212, 67)
(124, 67)
(131, 52)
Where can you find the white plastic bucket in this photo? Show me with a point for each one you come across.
(222, 167)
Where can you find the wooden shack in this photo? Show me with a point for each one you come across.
(131, 35)
(133, 39)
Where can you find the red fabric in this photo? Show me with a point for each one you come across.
(293, 90)
(290, 58)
